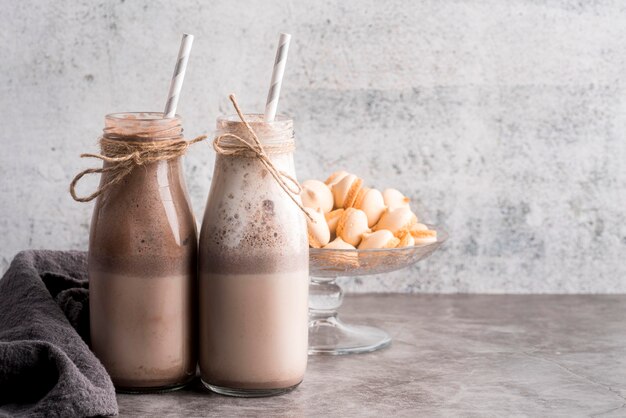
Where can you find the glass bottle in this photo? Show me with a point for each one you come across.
(253, 269)
(142, 266)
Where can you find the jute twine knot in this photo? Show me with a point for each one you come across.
(124, 155)
(254, 148)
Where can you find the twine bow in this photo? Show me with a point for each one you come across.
(123, 156)
(289, 184)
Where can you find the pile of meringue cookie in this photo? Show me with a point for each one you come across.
(348, 215)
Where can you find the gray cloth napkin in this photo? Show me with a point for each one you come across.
(46, 367)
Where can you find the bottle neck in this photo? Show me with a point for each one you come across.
(277, 134)
(142, 127)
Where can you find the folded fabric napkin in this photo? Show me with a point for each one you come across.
(46, 367)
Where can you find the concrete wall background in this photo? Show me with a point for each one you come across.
(504, 120)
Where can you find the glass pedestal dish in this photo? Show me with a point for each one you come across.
(327, 333)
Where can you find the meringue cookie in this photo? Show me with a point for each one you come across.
(339, 244)
(379, 239)
(396, 220)
(425, 237)
(346, 190)
(372, 203)
(316, 195)
(395, 199)
(406, 239)
(332, 218)
(335, 177)
(342, 258)
(319, 234)
(418, 227)
(352, 224)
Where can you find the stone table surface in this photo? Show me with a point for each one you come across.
(456, 355)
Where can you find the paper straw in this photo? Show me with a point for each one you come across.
(277, 77)
(178, 77)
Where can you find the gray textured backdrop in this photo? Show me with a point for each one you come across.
(504, 120)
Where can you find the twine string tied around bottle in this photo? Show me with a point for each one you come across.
(125, 154)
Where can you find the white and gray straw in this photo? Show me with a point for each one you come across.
(178, 77)
(277, 77)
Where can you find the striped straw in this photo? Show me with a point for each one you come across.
(178, 77)
(277, 77)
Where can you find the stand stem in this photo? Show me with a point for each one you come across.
(325, 297)
(327, 333)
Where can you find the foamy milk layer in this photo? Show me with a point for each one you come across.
(250, 224)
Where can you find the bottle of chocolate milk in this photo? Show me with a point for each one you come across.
(254, 269)
(142, 265)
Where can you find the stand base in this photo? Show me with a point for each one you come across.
(330, 336)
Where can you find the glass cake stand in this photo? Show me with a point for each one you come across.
(327, 333)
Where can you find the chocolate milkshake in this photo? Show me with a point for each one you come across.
(253, 271)
(142, 266)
